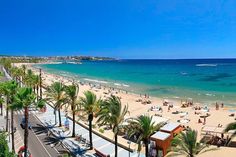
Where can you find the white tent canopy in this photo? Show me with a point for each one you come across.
(158, 120)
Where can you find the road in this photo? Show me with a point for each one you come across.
(39, 142)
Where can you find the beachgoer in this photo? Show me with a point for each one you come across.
(204, 122)
(219, 143)
(199, 120)
(217, 106)
(222, 136)
(161, 110)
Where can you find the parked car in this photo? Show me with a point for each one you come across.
(23, 123)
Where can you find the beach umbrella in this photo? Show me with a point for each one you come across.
(183, 114)
(184, 121)
(203, 116)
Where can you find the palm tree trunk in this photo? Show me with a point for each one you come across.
(12, 131)
(26, 131)
(116, 141)
(146, 147)
(7, 119)
(21, 81)
(59, 114)
(7, 114)
(73, 131)
(90, 118)
(1, 109)
(55, 116)
(37, 90)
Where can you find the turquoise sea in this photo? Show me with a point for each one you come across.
(204, 80)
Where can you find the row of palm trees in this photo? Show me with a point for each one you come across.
(17, 97)
(109, 112)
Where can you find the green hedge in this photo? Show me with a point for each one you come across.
(4, 149)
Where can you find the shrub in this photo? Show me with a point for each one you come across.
(4, 149)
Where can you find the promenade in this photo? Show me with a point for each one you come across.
(100, 144)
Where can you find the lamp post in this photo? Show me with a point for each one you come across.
(40, 83)
(128, 142)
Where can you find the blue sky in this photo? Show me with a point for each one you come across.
(119, 28)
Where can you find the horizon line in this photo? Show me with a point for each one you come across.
(119, 58)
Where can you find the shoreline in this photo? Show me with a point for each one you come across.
(189, 119)
(173, 93)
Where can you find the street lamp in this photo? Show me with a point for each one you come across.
(40, 83)
(128, 142)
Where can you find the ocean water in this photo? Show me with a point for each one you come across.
(205, 81)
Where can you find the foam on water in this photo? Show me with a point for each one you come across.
(206, 65)
(97, 81)
(161, 78)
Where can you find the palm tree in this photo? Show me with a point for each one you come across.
(12, 87)
(9, 89)
(56, 93)
(72, 92)
(23, 67)
(13, 72)
(185, 144)
(90, 105)
(7, 64)
(29, 78)
(5, 88)
(7, 95)
(144, 127)
(22, 100)
(23, 70)
(111, 113)
(36, 82)
(231, 126)
(20, 75)
(1, 98)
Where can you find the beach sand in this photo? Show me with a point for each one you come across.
(216, 117)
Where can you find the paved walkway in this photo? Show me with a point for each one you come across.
(39, 142)
(99, 143)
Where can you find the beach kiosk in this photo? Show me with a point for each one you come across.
(162, 142)
(172, 128)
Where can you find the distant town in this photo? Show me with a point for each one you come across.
(37, 59)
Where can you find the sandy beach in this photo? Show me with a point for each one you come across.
(188, 116)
